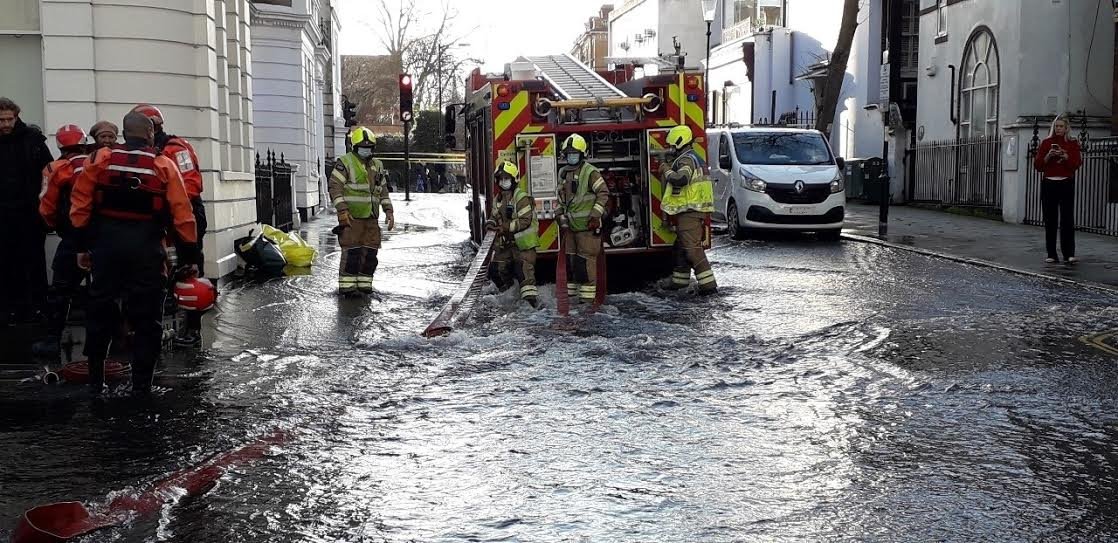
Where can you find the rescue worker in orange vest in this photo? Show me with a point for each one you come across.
(122, 206)
(358, 191)
(182, 154)
(583, 196)
(513, 218)
(54, 207)
(689, 199)
(104, 134)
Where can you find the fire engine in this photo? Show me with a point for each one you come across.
(525, 114)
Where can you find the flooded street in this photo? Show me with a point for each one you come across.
(830, 392)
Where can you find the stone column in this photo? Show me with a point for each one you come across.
(234, 33)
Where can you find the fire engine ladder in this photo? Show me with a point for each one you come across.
(573, 79)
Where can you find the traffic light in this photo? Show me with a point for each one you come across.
(405, 97)
(349, 112)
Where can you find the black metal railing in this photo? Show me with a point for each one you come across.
(1096, 185)
(791, 119)
(275, 203)
(960, 172)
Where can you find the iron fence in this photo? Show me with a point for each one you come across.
(959, 172)
(275, 203)
(791, 119)
(1096, 185)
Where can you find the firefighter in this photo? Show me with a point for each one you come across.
(688, 200)
(513, 218)
(182, 154)
(583, 196)
(358, 190)
(54, 207)
(104, 134)
(122, 205)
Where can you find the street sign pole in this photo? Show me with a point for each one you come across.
(407, 159)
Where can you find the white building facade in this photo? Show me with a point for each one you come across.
(297, 91)
(645, 28)
(993, 69)
(67, 61)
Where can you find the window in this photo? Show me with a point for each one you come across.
(978, 87)
(755, 13)
(724, 160)
(941, 17)
(743, 10)
(782, 148)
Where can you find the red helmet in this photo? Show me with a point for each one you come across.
(69, 136)
(150, 112)
(195, 294)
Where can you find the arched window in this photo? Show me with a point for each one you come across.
(978, 87)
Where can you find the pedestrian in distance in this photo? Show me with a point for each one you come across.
(104, 134)
(583, 196)
(23, 155)
(358, 191)
(123, 204)
(688, 200)
(513, 220)
(54, 207)
(1057, 159)
(179, 151)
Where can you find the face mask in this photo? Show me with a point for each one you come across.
(364, 152)
(505, 183)
(572, 159)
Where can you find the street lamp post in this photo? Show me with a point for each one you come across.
(709, 7)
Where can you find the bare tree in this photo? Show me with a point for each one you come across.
(836, 69)
(424, 50)
(370, 82)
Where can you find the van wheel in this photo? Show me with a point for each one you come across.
(734, 221)
(830, 235)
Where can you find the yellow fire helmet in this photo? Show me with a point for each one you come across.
(680, 136)
(362, 136)
(576, 142)
(508, 168)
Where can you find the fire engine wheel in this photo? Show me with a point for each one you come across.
(734, 221)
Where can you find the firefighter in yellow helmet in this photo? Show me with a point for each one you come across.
(358, 190)
(583, 196)
(513, 217)
(689, 200)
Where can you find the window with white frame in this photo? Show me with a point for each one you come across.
(978, 87)
(941, 17)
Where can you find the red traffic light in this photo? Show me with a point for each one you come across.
(405, 97)
(405, 81)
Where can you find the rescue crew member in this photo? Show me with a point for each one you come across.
(513, 218)
(54, 207)
(104, 134)
(122, 205)
(689, 200)
(358, 190)
(583, 196)
(182, 154)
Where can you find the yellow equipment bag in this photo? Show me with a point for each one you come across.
(297, 251)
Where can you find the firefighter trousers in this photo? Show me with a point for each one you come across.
(128, 265)
(508, 263)
(64, 286)
(582, 249)
(360, 244)
(689, 254)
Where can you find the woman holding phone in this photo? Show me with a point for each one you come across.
(1057, 159)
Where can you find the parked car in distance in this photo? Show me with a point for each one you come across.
(769, 178)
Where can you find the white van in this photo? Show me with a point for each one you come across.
(768, 178)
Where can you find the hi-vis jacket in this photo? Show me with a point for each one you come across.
(359, 189)
(687, 186)
(582, 194)
(58, 181)
(182, 154)
(515, 211)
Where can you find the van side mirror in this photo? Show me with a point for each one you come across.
(841, 163)
(725, 163)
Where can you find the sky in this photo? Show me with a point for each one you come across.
(497, 31)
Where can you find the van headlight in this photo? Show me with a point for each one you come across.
(752, 182)
(838, 184)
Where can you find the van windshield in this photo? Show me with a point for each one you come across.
(782, 148)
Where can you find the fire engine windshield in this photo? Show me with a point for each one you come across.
(782, 148)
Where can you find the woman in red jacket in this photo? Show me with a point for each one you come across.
(1057, 159)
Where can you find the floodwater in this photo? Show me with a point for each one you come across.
(830, 392)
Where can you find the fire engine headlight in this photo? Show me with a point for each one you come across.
(752, 182)
(838, 184)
